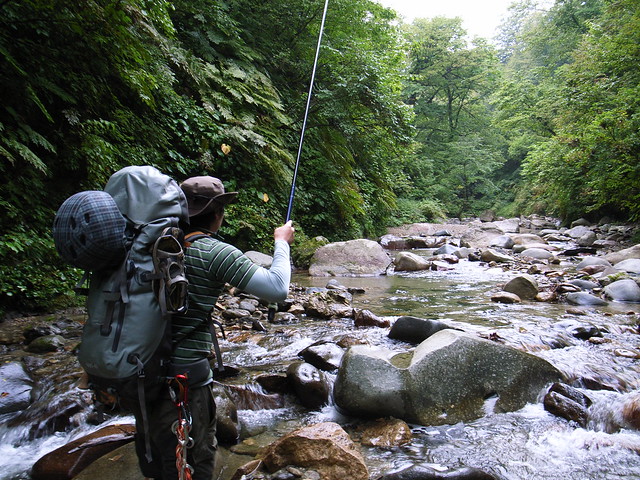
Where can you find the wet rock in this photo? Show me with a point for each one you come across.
(119, 464)
(584, 284)
(584, 298)
(528, 239)
(423, 472)
(15, 387)
(310, 384)
(631, 411)
(386, 433)
(506, 298)
(227, 430)
(70, 459)
(410, 262)
(47, 343)
(524, 286)
(491, 255)
(325, 356)
(352, 258)
(323, 305)
(446, 379)
(415, 330)
(365, 318)
(247, 397)
(274, 383)
(564, 407)
(284, 318)
(626, 290)
(324, 447)
(394, 242)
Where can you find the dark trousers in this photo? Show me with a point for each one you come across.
(162, 414)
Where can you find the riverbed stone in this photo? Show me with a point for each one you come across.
(625, 290)
(352, 258)
(630, 265)
(366, 318)
(15, 387)
(524, 286)
(537, 253)
(325, 356)
(70, 459)
(584, 298)
(410, 262)
(502, 241)
(506, 298)
(323, 447)
(414, 329)
(624, 254)
(445, 380)
(310, 384)
(386, 433)
(491, 255)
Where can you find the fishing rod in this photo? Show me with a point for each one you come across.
(306, 113)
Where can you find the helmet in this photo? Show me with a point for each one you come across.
(89, 231)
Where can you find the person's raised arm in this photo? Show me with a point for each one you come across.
(273, 284)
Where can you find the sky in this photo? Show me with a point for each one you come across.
(479, 17)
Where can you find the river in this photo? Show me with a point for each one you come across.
(523, 445)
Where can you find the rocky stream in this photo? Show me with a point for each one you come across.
(489, 349)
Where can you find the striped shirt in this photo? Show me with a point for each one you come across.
(210, 264)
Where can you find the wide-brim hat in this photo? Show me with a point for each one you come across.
(203, 192)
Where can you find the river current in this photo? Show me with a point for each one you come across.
(523, 445)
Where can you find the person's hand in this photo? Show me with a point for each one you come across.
(286, 232)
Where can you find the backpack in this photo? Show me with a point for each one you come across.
(128, 240)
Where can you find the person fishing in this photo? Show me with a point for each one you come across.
(183, 423)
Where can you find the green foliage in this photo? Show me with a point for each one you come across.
(417, 211)
(304, 248)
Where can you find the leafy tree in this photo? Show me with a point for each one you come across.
(591, 164)
(448, 85)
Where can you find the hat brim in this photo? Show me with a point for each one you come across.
(196, 208)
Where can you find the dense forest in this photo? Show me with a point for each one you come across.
(408, 122)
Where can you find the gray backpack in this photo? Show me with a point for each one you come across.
(129, 241)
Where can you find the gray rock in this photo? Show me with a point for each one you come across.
(537, 253)
(309, 383)
(325, 356)
(410, 262)
(625, 290)
(16, 387)
(617, 257)
(505, 297)
(491, 255)
(415, 330)
(588, 261)
(630, 265)
(446, 249)
(503, 241)
(587, 239)
(524, 286)
(577, 231)
(584, 284)
(353, 258)
(260, 258)
(584, 298)
(445, 380)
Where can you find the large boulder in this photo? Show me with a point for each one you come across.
(620, 255)
(353, 258)
(323, 447)
(410, 262)
(524, 286)
(625, 290)
(445, 380)
(67, 461)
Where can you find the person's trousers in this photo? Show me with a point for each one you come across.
(162, 415)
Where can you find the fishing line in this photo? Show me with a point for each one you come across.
(306, 113)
